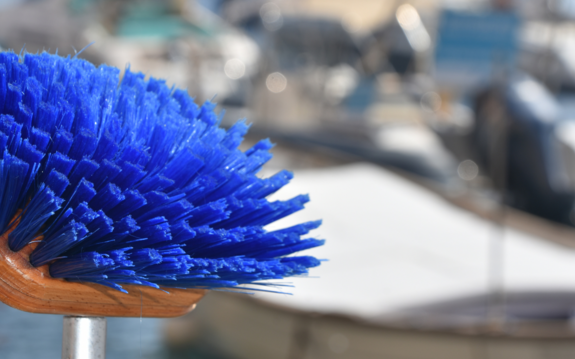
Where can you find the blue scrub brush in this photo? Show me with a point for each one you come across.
(130, 185)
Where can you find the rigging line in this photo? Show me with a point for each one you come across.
(141, 313)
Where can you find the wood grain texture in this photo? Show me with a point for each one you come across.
(33, 290)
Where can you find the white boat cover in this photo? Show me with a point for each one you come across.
(392, 244)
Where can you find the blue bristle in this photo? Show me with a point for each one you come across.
(7, 59)
(134, 183)
(133, 200)
(53, 247)
(13, 99)
(60, 163)
(171, 209)
(235, 135)
(28, 152)
(300, 229)
(57, 182)
(19, 73)
(116, 236)
(83, 169)
(41, 207)
(2, 86)
(172, 250)
(3, 143)
(158, 142)
(134, 154)
(10, 127)
(84, 192)
(156, 230)
(154, 183)
(183, 167)
(84, 144)
(289, 249)
(129, 175)
(256, 161)
(182, 232)
(65, 117)
(84, 214)
(107, 198)
(145, 257)
(56, 94)
(88, 263)
(24, 116)
(126, 225)
(262, 145)
(106, 149)
(46, 117)
(154, 200)
(99, 228)
(32, 95)
(121, 258)
(85, 120)
(106, 173)
(210, 213)
(40, 139)
(13, 172)
(61, 142)
(207, 114)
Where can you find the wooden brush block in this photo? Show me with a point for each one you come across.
(31, 289)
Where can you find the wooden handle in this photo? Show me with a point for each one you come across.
(33, 290)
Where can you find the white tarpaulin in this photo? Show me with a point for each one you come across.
(391, 244)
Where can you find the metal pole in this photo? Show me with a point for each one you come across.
(84, 338)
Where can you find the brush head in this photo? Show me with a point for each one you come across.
(130, 183)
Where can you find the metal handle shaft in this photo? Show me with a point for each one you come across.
(84, 338)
